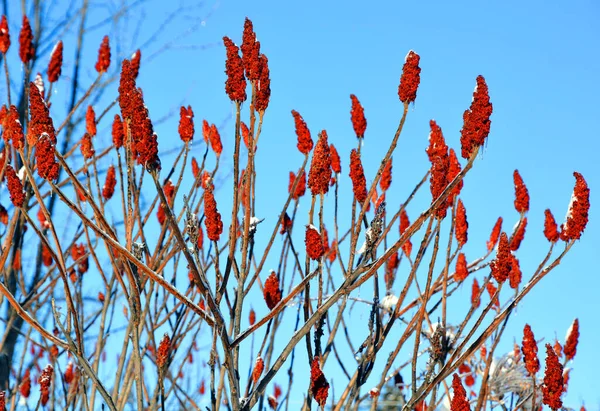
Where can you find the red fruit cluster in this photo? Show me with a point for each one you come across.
(404, 224)
(103, 61)
(521, 194)
(26, 51)
(263, 87)
(109, 185)
(144, 144)
(15, 187)
(476, 120)
(357, 175)
(515, 276)
(212, 217)
(305, 143)
(454, 169)
(357, 115)
(553, 380)
(4, 35)
(135, 63)
(571, 341)
(186, 124)
(529, 349)
(215, 140)
(314, 243)
(162, 356)
(259, 366)
(577, 218)
(235, 85)
(461, 224)
(440, 165)
(87, 147)
(410, 79)
(300, 186)
(13, 131)
(45, 380)
(271, 291)
(118, 134)
(459, 399)
(518, 235)
(336, 165)
(79, 255)
(475, 291)
(39, 117)
(250, 51)
(386, 176)
(550, 227)
(320, 167)
(319, 387)
(495, 234)
(391, 265)
(45, 159)
(462, 272)
(55, 64)
(502, 265)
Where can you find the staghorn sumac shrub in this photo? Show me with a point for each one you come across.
(159, 261)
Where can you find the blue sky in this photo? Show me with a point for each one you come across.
(540, 60)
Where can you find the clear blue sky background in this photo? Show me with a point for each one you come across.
(541, 61)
